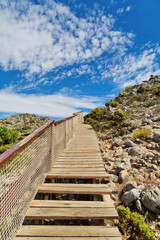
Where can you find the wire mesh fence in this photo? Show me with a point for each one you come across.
(23, 173)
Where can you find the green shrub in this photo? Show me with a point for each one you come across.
(129, 111)
(158, 90)
(8, 135)
(90, 121)
(26, 127)
(127, 89)
(105, 126)
(141, 89)
(8, 122)
(142, 134)
(1, 141)
(32, 121)
(5, 147)
(119, 113)
(133, 224)
(97, 114)
(112, 104)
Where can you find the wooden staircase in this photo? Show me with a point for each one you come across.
(80, 160)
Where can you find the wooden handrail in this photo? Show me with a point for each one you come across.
(11, 152)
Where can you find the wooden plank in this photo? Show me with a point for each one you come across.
(71, 213)
(68, 231)
(81, 157)
(67, 238)
(70, 204)
(80, 153)
(74, 189)
(78, 165)
(79, 175)
(83, 170)
(75, 185)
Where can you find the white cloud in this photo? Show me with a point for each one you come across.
(39, 38)
(57, 105)
(122, 10)
(132, 69)
(128, 8)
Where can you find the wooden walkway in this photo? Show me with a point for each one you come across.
(80, 160)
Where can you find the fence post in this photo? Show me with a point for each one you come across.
(65, 129)
(52, 145)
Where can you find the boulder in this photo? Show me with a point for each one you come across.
(156, 137)
(124, 166)
(130, 196)
(129, 143)
(134, 151)
(117, 143)
(113, 187)
(156, 119)
(113, 178)
(123, 176)
(130, 185)
(151, 200)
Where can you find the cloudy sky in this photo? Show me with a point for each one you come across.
(59, 57)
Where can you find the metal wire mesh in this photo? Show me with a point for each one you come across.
(59, 139)
(20, 178)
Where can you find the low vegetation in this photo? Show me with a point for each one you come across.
(133, 226)
(142, 133)
(7, 138)
(158, 90)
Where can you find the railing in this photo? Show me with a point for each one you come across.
(24, 167)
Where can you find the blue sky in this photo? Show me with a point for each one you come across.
(59, 57)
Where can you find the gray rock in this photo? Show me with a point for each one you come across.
(129, 143)
(113, 187)
(139, 206)
(152, 176)
(151, 200)
(113, 178)
(156, 119)
(117, 143)
(154, 167)
(130, 196)
(123, 175)
(134, 151)
(130, 185)
(143, 162)
(140, 187)
(156, 137)
(124, 166)
(150, 146)
(136, 165)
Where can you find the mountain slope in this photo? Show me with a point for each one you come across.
(128, 128)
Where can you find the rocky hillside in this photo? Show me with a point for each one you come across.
(23, 123)
(16, 127)
(128, 128)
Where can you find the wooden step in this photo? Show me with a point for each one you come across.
(80, 169)
(71, 213)
(68, 231)
(78, 175)
(53, 209)
(74, 188)
(70, 204)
